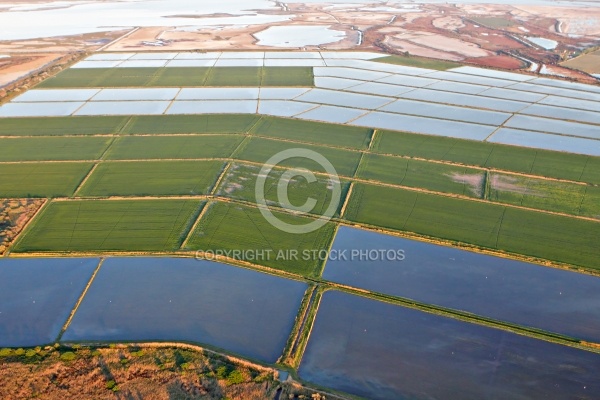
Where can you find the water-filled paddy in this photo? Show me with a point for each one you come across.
(508, 290)
(37, 296)
(382, 351)
(168, 299)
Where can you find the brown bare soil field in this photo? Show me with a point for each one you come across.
(503, 62)
(14, 216)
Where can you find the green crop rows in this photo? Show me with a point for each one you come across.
(190, 153)
(110, 225)
(152, 178)
(227, 226)
(181, 76)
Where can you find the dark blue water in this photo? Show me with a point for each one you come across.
(527, 294)
(382, 351)
(172, 299)
(37, 296)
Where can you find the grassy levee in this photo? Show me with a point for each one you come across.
(543, 194)
(529, 233)
(109, 225)
(48, 126)
(313, 132)
(180, 76)
(207, 123)
(240, 181)
(235, 227)
(174, 147)
(552, 164)
(261, 150)
(152, 178)
(41, 179)
(419, 62)
(52, 148)
(422, 174)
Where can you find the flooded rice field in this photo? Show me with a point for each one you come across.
(382, 351)
(37, 296)
(513, 291)
(185, 300)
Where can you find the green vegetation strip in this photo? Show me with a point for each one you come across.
(209, 123)
(419, 62)
(49, 126)
(174, 147)
(543, 194)
(552, 164)
(422, 174)
(229, 226)
(313, 132)
(530, 233)
(178, 76)
(149, 178)
(52, 148)
(240, 182)
(110, 225)
(261, 150)
(41, 179)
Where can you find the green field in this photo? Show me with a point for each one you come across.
(261, 150)
(544, 194)
(494, 22)
(152, 178)
(551, 164)
(419, 62)
(531, 233)
(228, 226)
(48, 126)
(240, 183)
(180, 76)
(313, 132)
(52, 148)
(211, 123)
(110, 225)
(422, 174)
(41, 179)
(175, 147)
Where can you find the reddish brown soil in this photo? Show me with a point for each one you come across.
(504, 62)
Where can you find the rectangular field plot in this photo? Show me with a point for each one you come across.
(422, 174)
(233, 227)
(101, 77)
(41, 179)
(518, 137)
(240, 182)
(186, 300)
(261, 150)
(37, 297)
(541, 162)
(382, 351)
(545, 194)
(173, 147)
(152, 178)
(61, 126)
(165, 124)
(52, 148)
(545, 298)
(314, 132)
(110, 225)
(531, 233)
(158, 76)
(287, 76)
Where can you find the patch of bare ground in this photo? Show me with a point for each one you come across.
(509, 184)
(14, 216)
(474, 181)
(137, 372)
